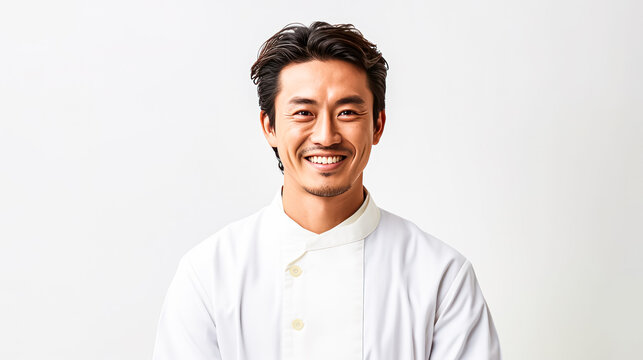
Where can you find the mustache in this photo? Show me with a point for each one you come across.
(335, 148)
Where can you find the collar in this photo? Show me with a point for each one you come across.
(297, 241)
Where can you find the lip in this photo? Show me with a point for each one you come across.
(326, 154)
(325, 167)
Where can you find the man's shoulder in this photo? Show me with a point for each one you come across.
(232, 235)
(403, 234)
(421, 257)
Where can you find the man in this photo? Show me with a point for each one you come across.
(322, 272)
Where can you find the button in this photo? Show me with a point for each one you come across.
(297, 324)
(295, 270)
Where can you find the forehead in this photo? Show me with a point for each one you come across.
(322, 80)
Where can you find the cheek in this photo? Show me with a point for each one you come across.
(291, 140)
(363, 145)
(359, 132)
(359, 137)
(365, 154)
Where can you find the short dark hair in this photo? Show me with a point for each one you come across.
(296, 43)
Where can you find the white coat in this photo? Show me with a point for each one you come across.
(374, 287)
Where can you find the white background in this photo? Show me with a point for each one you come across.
(129, 133)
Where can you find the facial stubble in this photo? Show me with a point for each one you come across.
(327, 191)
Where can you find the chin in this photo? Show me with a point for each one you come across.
(327, 190)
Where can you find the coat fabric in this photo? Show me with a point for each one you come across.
(374, 287)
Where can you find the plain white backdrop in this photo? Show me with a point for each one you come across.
(129, 132)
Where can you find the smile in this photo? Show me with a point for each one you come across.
(325, 159)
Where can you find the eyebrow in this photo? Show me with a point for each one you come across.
(354, 99)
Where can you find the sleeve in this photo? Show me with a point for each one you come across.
(186, 328)
(463, 327)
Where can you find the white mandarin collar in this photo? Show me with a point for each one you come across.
(297, 241)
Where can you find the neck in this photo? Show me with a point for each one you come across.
(317, 213)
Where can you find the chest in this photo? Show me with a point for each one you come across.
(354, 301)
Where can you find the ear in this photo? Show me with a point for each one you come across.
(268, 131)
(379, 127)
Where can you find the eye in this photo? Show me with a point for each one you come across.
(303, 113)
(347, 112)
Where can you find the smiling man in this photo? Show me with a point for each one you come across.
(327, 127)
(322, 272)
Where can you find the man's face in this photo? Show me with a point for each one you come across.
(323, 125)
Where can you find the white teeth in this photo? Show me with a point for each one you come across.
(324, 159)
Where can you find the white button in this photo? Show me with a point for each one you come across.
(295, 270)
(297, 324)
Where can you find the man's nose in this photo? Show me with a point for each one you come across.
(325, 130)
